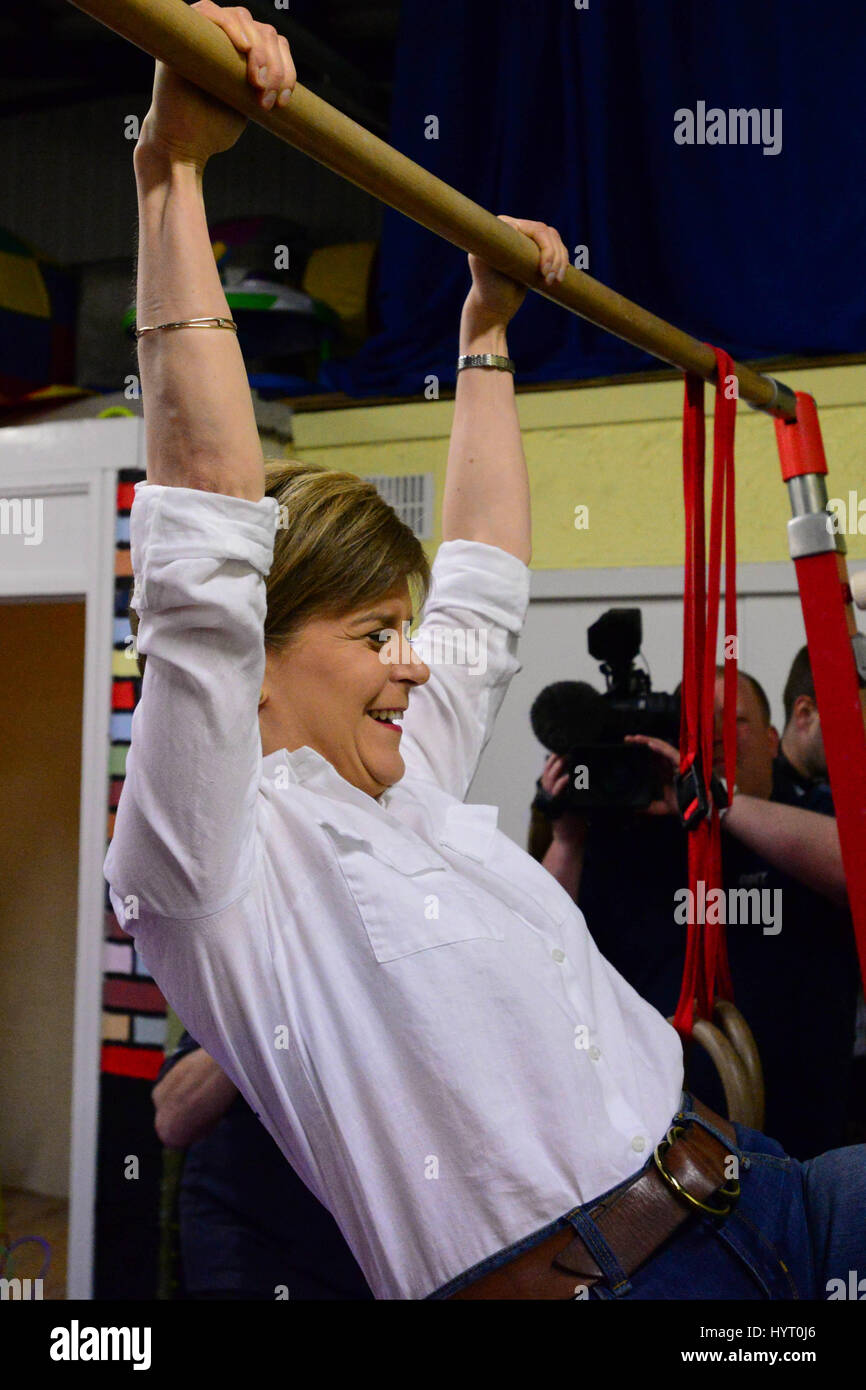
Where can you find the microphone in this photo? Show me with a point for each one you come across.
(566, 714)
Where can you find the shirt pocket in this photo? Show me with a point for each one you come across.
(409, 898)
(522, 884)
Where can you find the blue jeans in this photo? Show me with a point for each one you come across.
(795, 1227)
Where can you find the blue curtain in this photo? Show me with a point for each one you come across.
(567, 116)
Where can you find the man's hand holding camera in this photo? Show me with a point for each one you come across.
(667, 763)
(569, 827)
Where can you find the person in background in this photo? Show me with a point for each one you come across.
(249, 1228)
(803, 764)
(795, 983)
(801, 755)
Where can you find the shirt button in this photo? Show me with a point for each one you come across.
(595, 1053)
(638, 1144)
(558, 955)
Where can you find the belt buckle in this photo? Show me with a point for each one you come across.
(729, 1190)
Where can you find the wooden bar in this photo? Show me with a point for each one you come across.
(202, 53)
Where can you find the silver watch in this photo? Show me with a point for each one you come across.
(485, 359)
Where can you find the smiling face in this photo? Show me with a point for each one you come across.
(318, 693)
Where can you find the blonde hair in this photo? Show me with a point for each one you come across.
(339, 547)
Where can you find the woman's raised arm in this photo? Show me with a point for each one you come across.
(201, 534)
(199, 420)
(486, 483)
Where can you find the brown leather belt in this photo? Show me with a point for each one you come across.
(635, 1220)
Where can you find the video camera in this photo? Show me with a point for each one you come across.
(588, 728)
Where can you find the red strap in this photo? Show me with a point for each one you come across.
(706, 953)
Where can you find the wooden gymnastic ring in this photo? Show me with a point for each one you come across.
(730, 1067)
(742, 1039)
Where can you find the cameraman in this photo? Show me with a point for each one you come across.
(795, 981)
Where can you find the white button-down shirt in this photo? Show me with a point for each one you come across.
(412, 1005)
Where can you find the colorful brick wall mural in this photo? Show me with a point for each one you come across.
(133, 1008)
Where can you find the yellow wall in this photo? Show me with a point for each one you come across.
(616, 450)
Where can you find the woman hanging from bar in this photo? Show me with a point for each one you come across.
(410, 1003)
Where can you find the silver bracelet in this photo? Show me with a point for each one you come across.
(190, 323)
(485, 359)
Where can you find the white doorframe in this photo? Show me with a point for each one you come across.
(72, 467)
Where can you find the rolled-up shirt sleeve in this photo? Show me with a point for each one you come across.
(468, 636)
(184, 843)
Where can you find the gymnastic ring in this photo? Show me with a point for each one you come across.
(730, 1067)
(742, 1039)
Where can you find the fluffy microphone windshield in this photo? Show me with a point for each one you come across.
(567, 713)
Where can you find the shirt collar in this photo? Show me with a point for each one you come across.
(311, 769)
